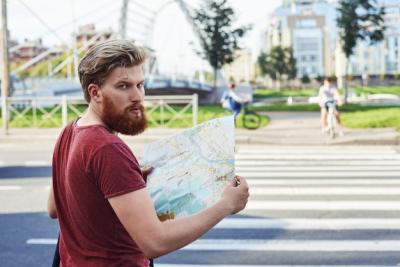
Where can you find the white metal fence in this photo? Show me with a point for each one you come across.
(57, 111)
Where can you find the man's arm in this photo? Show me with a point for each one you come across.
(338, 98)
(136, 212)
(236, 97)
(51, 205)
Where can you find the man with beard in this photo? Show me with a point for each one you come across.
(105, 213)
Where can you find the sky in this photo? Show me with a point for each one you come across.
(173, 38)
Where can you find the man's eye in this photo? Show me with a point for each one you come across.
(123, 86)
(141, 85)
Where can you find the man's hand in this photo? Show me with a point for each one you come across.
(236, 194)
(146, 171)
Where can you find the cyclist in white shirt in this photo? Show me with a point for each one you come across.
(329, 93)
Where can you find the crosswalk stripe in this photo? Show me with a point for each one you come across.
(276, 245)
(295, 245)
(317, 191)
(42, 241)
(37, 163)
(300, 181)
(245, 265)
(315, 150)
(323, 205)
(315, 163)
(335, 169)
(320, 174)
(289, 156)
(9, 187)
(311, 151)
(310, 224)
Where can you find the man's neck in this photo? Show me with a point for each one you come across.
(91, 117)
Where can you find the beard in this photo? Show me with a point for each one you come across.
(125, 122)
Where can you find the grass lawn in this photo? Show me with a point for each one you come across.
(286, 92)
(269, 93)
(395, 90)
(372, 118)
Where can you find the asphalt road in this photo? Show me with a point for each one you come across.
(309, 206)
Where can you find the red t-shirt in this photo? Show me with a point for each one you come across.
(91, 164)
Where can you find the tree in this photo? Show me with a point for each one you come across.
(219, 40)
(278, 64)
(305, 79)
(359, 20)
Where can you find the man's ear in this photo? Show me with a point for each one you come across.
(94, 92)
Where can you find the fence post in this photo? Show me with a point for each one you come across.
(290, 100)
(162, 111)
(34, 113)
(64, 110)
(4, 114)
(195, 107)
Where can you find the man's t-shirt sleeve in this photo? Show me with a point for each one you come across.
(116, 170)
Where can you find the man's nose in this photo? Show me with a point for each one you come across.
(137, 95)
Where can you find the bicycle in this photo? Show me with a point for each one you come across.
(250, 119)
(331, 119)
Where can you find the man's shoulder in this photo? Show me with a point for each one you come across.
(96, 137)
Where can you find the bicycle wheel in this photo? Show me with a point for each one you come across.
(251, 120)
(332, 133)
(332, 126)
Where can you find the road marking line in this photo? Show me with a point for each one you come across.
(41, 241)
(314, 191)
(300, 181)
(310, 224)
(227, 265)
(367, 156)
(310, 151)
(335, 169)
(9, 187)
(378, 163)
(295, 245)
(320, 174)
(37, 163)
(323, 205)
(275, 245)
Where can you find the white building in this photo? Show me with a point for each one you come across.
(242, 68)
(309, 27)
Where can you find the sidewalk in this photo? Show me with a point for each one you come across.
(285, 128)
(303, 128)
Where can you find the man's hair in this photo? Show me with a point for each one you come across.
(101, 59)
(328, 79)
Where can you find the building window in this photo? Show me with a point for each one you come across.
(306, 23)
(314, 70)
(307, 44)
